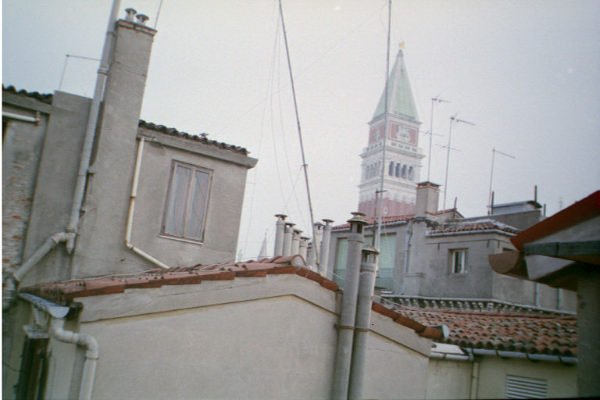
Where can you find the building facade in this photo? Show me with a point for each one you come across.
(91, 190)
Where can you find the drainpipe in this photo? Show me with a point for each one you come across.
(474, 380)
(14, 278)
(324, 260)
(287, 238)
(295, 242)
(407, 245)
(90, 133)
(343, 356)
(363, 321)
(279, 232)
(57, 314)
(92, 354)
(134, 186)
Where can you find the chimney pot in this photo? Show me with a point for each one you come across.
(142, 18)
(131, 12)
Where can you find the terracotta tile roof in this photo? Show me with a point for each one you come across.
(526, 332)
(64, 292)
(471, 226)
(199, 138)
(44, 98)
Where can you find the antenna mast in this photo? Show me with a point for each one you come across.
(304, 164)
(455, 120)
(379, 193)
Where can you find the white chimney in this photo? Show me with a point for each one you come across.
(428, 195)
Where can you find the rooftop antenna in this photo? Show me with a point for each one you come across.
(304, 164)
(64, 70)
(436, 99)
(379, 193)
(453, 120)
(494, 152)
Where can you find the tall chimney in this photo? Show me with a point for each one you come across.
(324, 257)
(428, 194)
(303, 246)
(287, 239)
(114, 149)
(296, 242)
(279, 232)
(316, 242)
(343, 355)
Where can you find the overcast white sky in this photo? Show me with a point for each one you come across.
(527, 73)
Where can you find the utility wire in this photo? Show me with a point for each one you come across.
(304, 164)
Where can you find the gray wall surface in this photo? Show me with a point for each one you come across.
(21, 152)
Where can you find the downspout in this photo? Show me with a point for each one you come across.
(92, 353)
(343, 356)
(90, 133)
(363, 321)
(57, 314)
(407, 245)
(474, 390)
(134, 186)
(14, 278)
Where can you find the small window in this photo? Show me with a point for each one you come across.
(187, 203)
(458, 261)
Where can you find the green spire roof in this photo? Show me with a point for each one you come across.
(401, 101)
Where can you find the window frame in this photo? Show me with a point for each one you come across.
(170, 190)
(452, 253)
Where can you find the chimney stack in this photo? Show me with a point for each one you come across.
(287, 239)
(324, 256)
(279, 232)
(428, 194)
(130, 14)
(295, 242)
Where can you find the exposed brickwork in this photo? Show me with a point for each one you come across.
(22, 152)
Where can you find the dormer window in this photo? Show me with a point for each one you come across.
(187, 202)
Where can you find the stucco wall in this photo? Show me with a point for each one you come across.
(272, 348)
(448, 379)
(561, 379)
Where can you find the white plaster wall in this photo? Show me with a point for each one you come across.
(264, 349)
(392, 371)
(448, 379)
(562, 379)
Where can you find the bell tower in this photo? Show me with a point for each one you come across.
(402, 164)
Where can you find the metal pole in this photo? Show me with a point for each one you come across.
(433, 101)
(343, 356)
(448, 159)
(304, 164)
(491, 178)
(363, 321)
(379, 193)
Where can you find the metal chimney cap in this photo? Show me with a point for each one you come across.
(142, 18)
(327, 220)
(358, 217)
(370, 250)
(130, 13)
(290, 224)
(282, 216)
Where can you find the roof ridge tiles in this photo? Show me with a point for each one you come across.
(201, 137)
(43, 97)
